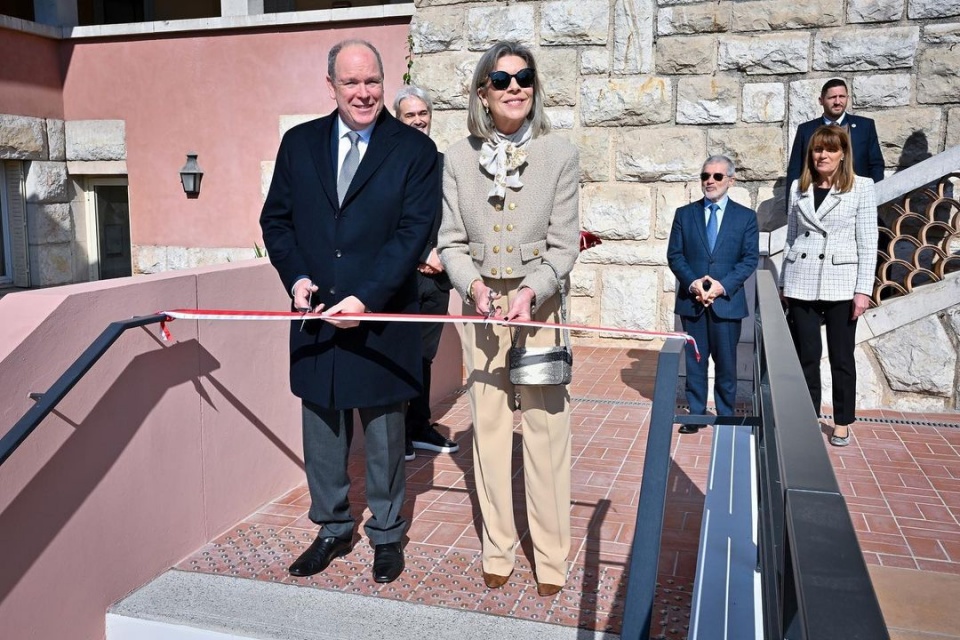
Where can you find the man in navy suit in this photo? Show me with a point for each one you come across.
(414, 107)
(713, 249)
(353, 199)
(867, 158)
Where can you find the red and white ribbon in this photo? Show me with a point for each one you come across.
(287, 316)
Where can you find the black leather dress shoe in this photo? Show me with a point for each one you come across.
(319, 555)
(689, 428)
(387, 562)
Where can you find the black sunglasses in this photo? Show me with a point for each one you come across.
(501, 79)
(716, 176)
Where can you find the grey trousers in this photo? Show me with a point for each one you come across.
(327, 434)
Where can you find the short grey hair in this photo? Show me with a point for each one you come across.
(340, 46)
(412, 91)
(731, 168)
(479, 121)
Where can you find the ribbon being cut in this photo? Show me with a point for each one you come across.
(288, 316)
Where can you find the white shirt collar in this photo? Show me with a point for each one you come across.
(343, 129)
(721, 204)
(839, 120)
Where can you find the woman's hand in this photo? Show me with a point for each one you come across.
(860, 304)
(521, 305)
(483, 299)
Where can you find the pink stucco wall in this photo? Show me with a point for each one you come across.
(217, 93)
(160, 447)
(30, 79)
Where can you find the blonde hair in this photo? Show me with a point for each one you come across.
(832, 138)
(479, 121)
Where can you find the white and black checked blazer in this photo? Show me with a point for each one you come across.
(831, 252)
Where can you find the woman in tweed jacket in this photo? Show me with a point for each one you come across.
(510, 205)
(828, 265)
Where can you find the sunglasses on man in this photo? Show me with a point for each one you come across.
(501, 79)
(718, 177)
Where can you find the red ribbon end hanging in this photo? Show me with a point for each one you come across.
(165, 334)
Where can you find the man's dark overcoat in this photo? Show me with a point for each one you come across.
(368, 248)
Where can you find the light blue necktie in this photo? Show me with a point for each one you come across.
(713, 227)
(349, 167)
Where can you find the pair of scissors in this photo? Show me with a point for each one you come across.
(492, 310)
(307, 310)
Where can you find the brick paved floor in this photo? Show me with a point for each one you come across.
(901, 480)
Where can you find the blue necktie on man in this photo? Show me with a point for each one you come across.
(713, 226)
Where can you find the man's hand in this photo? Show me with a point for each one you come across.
(699, 293)
(713, 290)
(432, 266)
(522, 302)
(350, 305)
(303, 289)
(483, 299)
(860, 304)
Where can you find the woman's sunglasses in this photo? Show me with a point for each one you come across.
(501, 79)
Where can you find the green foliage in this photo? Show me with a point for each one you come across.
(258, 251)
(407, 78)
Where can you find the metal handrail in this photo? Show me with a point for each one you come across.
(645, 550)
(47, 402)
(815, 582)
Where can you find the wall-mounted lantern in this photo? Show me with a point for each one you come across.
(190, 176)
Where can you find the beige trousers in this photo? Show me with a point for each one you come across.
(545, 426)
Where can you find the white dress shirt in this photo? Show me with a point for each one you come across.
(344, 145)
(723, 207)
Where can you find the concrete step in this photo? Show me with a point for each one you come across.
(181, 605)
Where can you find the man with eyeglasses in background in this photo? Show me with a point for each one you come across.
(414, 107)
(713, 249)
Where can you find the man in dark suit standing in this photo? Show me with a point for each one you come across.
(867, 158)
(713, 249)
(352, 201)
(413, 107)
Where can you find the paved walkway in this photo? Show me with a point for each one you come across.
(901, 478)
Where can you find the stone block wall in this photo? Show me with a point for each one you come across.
(648, 88)
(907, 352)
(39, 144)
(56, 215)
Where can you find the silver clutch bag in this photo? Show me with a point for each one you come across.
(543, 365)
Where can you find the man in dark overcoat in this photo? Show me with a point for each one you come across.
(352, 201)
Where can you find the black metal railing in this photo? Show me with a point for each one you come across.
(645, 551)
(47, 401)
(814, 579)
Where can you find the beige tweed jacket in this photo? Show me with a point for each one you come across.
(487, 237)
(831, 252)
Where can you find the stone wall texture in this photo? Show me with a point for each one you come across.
(55, 237)
(649, 88)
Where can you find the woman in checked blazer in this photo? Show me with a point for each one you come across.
(510, 206)
(828, 266)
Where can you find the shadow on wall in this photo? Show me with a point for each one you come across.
(58, 490)
(772, 214)
(915, 149)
